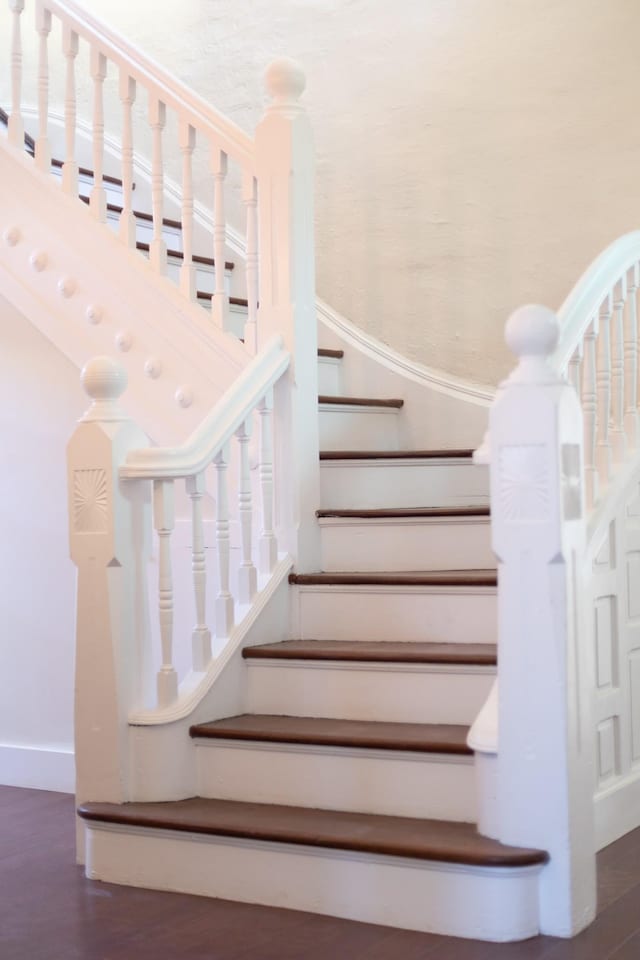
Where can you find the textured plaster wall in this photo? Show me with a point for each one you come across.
(471, 155)
(40, 401)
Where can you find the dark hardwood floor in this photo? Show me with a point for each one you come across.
(49, 911)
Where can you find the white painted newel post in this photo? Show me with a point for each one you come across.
(541, 791)
(285, 176)
(109, 524)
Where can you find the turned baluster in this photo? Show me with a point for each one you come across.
(98, 197)
(70, 165)
(201, 636)
(268, 545)
(163, 521)
(43, 147)
(187, 136)
(247, 574)
(16, 122)
(224, 600)
(158, 248)
(603, 380)
(127, 226)
(250, 196)
(618, 440)
(631, 425)
(573, 371)
(219, 302)
(589, 408)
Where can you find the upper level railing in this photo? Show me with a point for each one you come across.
(221, 167)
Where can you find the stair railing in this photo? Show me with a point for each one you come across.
(562, 442)
(118, 487)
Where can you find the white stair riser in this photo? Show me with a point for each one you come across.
(329, 379)
(392, 782)
(344, 427)
(498, 904)
(442, 544)
(411, 613)
(144, 231)
(205, 276)
(357, 691)
(361, 484)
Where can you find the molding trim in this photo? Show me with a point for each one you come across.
(438, 380)
(38, 767)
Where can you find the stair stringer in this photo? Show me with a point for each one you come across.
(89, 295)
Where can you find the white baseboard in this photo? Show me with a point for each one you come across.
(40, 768)
(617, 810)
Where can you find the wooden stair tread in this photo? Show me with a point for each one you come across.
(395, 454)
(236, 301)
(435, 840)
(383, 513)
(321, 731)
(179, 255)
(332, 354)
(86, 172)
(393, 402)
(418, 578)
(382, 651)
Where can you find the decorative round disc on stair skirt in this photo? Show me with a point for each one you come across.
(184, 396)
(93, 314)
(124, 340)
(11, 236)
(66, 286)
(153, 368)
(38, 260)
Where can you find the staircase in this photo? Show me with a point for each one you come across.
(347, 786)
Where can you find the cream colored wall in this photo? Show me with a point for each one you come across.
(40, 401)
(471, 156)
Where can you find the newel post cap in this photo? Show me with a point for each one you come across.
(532, 334)
(285, 81)
(104, 380)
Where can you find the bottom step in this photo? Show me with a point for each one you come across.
(427, 875)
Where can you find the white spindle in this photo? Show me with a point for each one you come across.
(618, 442)
(224, 600)
(187, 135)
(98, 198)
(70, 165)
(268, 545)
(219, 302)
(603, 378)
(250, 196)
(247, 574)
(574, 369)
(631, 360)
(43, 147)
(589, 408)
(127, 219)
(158, 248)
(201, 636)
(16, 122)
(163, 521)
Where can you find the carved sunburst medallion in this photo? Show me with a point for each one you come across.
(524, 483)
(90, 501)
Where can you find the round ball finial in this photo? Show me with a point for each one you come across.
(285, 80)
(532, 331)
(103, 379)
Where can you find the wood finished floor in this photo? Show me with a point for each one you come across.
(49, 911)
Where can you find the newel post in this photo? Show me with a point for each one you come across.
(285, 175)
(544, 778)
(109, 533)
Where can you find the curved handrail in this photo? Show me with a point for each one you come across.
(593, 287)
(171, 91)
(195, 454)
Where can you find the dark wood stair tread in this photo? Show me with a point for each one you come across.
(332, 354)
(179, 255)
(420, 578)
(394, 403)
(86, 172)
(395, 454)
(430, 840)
(383, 513)
(236, 301)
(382, 651)
(321, 731)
